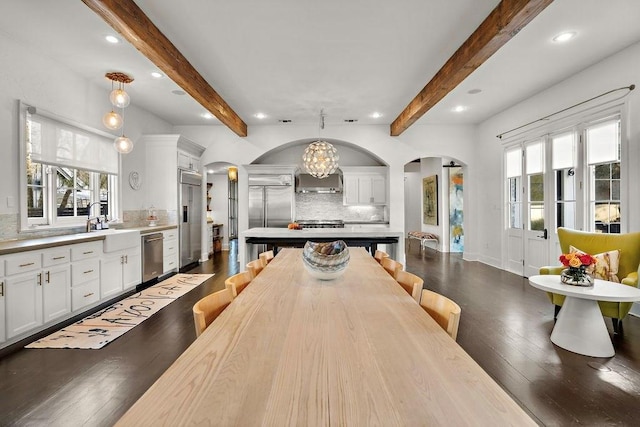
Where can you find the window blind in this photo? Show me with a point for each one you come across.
(61, 144)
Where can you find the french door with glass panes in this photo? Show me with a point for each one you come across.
(570, 178)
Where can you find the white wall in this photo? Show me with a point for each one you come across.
(51, 86)
(621, 69)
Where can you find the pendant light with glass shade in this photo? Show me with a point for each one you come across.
(320, 158)
(119, 99)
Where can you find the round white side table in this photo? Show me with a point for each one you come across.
(580, 327)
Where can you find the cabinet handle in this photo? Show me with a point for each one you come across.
(55, 258)
(88, 271)
(88, 295)
(27, 264)
(48, 277)
(87, 253)
(126, 259)
(39, 279)
(1, 289)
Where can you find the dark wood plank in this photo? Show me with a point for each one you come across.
(502, 24)
(505, 326)
(132, 23)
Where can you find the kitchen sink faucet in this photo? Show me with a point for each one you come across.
(89, 215)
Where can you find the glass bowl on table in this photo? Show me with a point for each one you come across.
(325, 260)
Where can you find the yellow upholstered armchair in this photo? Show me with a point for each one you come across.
(596, 243)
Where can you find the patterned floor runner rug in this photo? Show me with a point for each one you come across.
(100, 328)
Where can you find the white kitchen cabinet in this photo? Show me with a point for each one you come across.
(188, 161)
(169, 250)
(120, 271)
(23, 303)
(364, 187)
(85, 274)
(37, 290)
(3, 333)
(56, 283)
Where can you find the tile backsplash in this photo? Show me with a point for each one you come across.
(320, 206)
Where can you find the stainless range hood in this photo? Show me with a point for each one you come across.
(306, 183)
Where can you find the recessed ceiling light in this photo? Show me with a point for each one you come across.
(474, 91)
(207, 116)
(157, 75)
(563, 37)
(260, 116)
(210, 171)
(376, 115)
(112, 39)
(459, 109)
(178, 92)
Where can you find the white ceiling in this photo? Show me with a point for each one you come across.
(291, 58)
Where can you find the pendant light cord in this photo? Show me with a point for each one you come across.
(629, 88)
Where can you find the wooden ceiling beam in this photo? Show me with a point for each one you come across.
(132, 23)
(502, 24)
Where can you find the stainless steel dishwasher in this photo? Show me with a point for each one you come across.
(151, 256)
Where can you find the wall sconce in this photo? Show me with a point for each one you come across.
(119, 99)
(233, 173)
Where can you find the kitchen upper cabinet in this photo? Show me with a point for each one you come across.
(364, 186)
(188, 161)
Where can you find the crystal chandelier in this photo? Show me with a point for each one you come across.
(320, 158)
(119, 99)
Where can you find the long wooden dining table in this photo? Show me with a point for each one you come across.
(354, 351)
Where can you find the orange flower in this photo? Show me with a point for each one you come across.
(575, 262)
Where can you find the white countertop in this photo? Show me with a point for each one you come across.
(322, 232)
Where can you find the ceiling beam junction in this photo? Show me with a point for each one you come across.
(502, 24)
(132, 23)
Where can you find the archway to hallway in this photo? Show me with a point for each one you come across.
(434, 202)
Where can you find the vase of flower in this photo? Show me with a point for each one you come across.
(577, 271)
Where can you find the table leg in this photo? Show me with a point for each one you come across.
(580, 328)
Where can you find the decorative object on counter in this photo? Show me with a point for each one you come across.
(135, 180)
(119, 99)
(325, 260)
(152, 217)
(576, 273)
(320, 158)
(99, 329)
(294, 226)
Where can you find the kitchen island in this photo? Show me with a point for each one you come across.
(367, 237)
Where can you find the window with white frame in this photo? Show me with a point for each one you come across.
(603, 160)
(69, 172)
(586, 178)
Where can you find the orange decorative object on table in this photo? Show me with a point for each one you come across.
(576, 272)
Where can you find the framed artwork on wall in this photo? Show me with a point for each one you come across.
(430, 200)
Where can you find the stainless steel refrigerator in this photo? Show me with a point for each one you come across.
(190, 220)
(270, 201)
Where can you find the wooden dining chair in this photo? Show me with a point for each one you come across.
(392, 266)
(208, 308)
(411, 283)
(379, 255)
(443, 310)
(236, 283)
(266, 257)
(255, 267)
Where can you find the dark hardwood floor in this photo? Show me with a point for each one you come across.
(505, 326)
